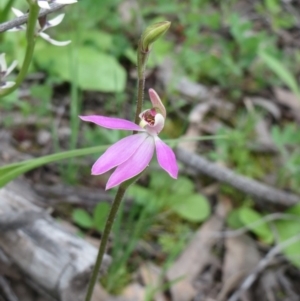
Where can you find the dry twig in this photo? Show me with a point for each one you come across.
(264, 262)
(13, 221)
(6, 290)
(242, 183)
(23, 19)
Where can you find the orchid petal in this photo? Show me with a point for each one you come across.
(43, 4)
(7, 85)
(11, 67)
(166, 158)
(112, 123)
(55, 21)
(134, 165)
(3, 66)
(118, 153)
(17, 12)
(53, 42)
(65, 1)
(157, 103)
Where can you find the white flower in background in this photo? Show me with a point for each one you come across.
(4, 72)
(44, 25)
(45, 3)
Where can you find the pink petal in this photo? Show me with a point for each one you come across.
(118, 153)
(134, 165)
(166, 158)
(112, 123)
(157, 103)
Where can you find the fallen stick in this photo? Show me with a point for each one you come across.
(263, 264)
(242, 183)
(7, 291)
(57, 262)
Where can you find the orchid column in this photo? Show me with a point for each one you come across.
(131, 155)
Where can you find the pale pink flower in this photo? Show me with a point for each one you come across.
(132, 154)
(44, 25)
(45, 3)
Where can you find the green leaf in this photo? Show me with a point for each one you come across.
(287, 230)
(194, 208)
(233, 219)
(100, 39)
(249, 216)
(141, 194)
(183, 186)
(294, 210)
(281, 71)
(100, 215)
(82, 218)
(160, 180)
(97, 70)
(273, 6)
(12, 171)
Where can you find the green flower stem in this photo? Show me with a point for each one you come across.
(31, 37)
(104, 239)
(149, 36)
(141, 66)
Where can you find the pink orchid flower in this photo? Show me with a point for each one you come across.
(132, 154)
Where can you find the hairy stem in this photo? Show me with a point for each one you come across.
(104, 239)
(31, 37)
(141, 66)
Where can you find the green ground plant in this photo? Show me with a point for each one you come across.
(270, 228)
(287, 140)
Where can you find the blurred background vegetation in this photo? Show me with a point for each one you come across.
(244, 54)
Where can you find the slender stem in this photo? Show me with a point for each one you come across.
(4, 14)
(141, 66)
(75, 95)
(104, 239)
(31, 37)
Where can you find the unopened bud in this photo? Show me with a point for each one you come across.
(152, 33)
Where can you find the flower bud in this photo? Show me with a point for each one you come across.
(152, 33)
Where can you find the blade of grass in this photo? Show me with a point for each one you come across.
(72, 168)
(12, 171)
(281, 71)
